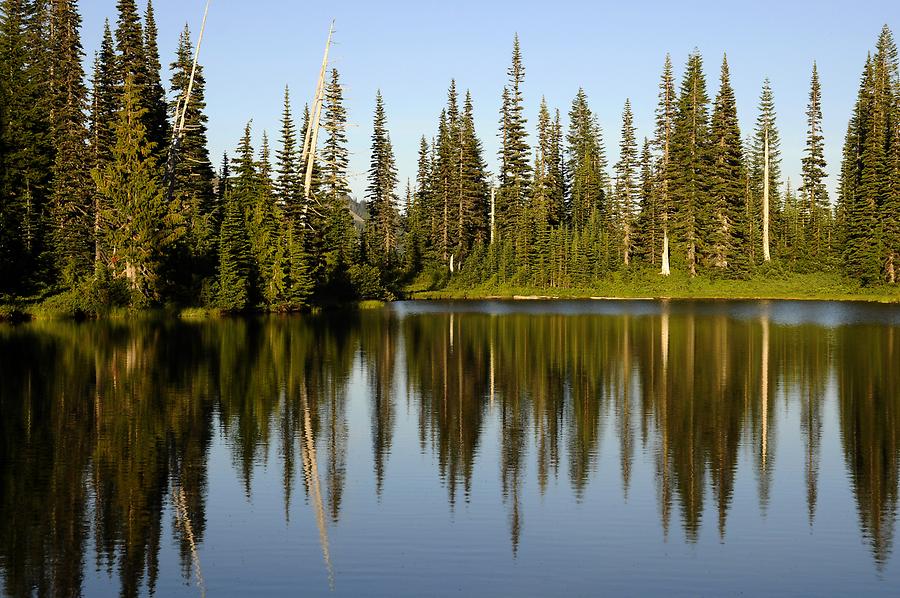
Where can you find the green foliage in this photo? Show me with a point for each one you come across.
(138, 222)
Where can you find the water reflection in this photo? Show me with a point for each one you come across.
(107, 428)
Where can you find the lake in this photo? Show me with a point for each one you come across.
(456, 448)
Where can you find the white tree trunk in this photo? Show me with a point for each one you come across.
(493, 215)
(765, 207)
(665, 254)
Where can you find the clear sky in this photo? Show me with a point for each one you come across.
(411, 50)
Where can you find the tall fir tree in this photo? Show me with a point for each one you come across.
(473, 192)
(689, 167)
(138, 223)
(515, 169)
(193, 175)
(154, 94)
(627, 190)
(336, 230)
(727, 233)
(381, 197)
(26, 142)
(288, 186)
(816, 211)
(130, 60)
(72, 190)
(585, 163)
(765, 157)
(665, 127)
(648, 231)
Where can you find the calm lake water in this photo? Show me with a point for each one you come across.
(427, 449)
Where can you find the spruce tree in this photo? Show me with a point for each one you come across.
(585, 163)
(515, 169)
(689, 166)
(104, 99)
(193, 176)
(665, 127)
(153, 93)
(727, 247)
(288, 186)
(336, 231)
(26, 139)
(627, 190)
(816, 210)
(766, 142)
(234, 258)
(381, 198)
(648, 231)
(72, 191)
(473, 192)
(138, 224)
(131, 60)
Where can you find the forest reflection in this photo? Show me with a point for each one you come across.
(107, 428)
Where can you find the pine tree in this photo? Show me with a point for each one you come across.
(689, 166)
(665, 128)
(26, 139)
(381, 235)
(816, 210)
(104, 99)
(585, 163)
(131, 60)
(765, 156)
(727, 233)
(154, 96)
(193, 178)
(234, 258)
(627, 190)
(264, 225)
(648, 231)
(288, 186)
(337, 233)
(474, 189)
(72, 190)
(515, 169)
(856, 205)
(139, 225)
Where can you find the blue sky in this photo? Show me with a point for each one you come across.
(411, 50)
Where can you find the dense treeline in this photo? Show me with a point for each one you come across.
(97, 211)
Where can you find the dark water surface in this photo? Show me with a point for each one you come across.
(489, 448)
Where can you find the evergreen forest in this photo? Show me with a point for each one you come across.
(96, 213)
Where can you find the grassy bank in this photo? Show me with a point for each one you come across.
(651, 286)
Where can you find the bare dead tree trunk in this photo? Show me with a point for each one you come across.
(765, 207)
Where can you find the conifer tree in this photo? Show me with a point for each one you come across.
(234, 258)
(139, 225)
(104, 99)
(288, 186)
(131, 60)
(26, 140)
(648, 231)
(154, 95)
(338, 236)
(193, 175)
(765, 156)
(727, 248)
(689, 165)
(515, 169)
(264, 225)
(585, 163)
(627, 190)
(72, 190)
(816, 209)
(665, 127)
(381, 198)
(474, 191)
